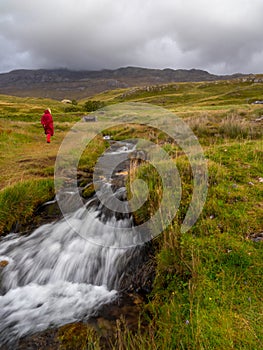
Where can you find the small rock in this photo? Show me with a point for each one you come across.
(257, 237)
(251, 183)
(4, 263)
(124, 173)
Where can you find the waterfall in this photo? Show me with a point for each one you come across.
(56, 275)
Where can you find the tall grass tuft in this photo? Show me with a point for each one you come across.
(234, 128)
(18, 202)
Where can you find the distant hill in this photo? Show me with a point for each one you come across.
(63, 83)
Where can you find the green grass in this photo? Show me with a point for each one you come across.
(208, 288)
(19, 202)
(199, 94)
(208, 294)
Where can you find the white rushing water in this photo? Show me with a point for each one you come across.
(55, 276)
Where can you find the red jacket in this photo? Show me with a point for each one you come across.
(47, 122)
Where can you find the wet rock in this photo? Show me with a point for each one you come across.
(3, 263)
(84, 177)
(140, 272)
(47, 340)
(84, 335)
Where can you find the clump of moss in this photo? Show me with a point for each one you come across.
(78, 336)
(88, 191)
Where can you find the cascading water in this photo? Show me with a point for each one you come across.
(54, 276)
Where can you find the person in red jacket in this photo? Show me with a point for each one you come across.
(47, 122)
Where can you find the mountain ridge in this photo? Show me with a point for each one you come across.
(75, 84)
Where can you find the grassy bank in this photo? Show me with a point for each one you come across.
(208, 288)
(19, 202)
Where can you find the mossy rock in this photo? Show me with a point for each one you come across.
(88, 192)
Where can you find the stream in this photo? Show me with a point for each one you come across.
(66, 270)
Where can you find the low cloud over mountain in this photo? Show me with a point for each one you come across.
(221, 36)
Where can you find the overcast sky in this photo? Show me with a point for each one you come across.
(220, 36)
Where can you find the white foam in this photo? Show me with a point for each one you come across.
(35, 307)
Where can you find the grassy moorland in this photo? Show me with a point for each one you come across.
(208, 291)
(26, 162)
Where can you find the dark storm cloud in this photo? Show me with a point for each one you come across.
(221, 36)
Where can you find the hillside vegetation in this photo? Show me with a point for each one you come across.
(208, 291)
